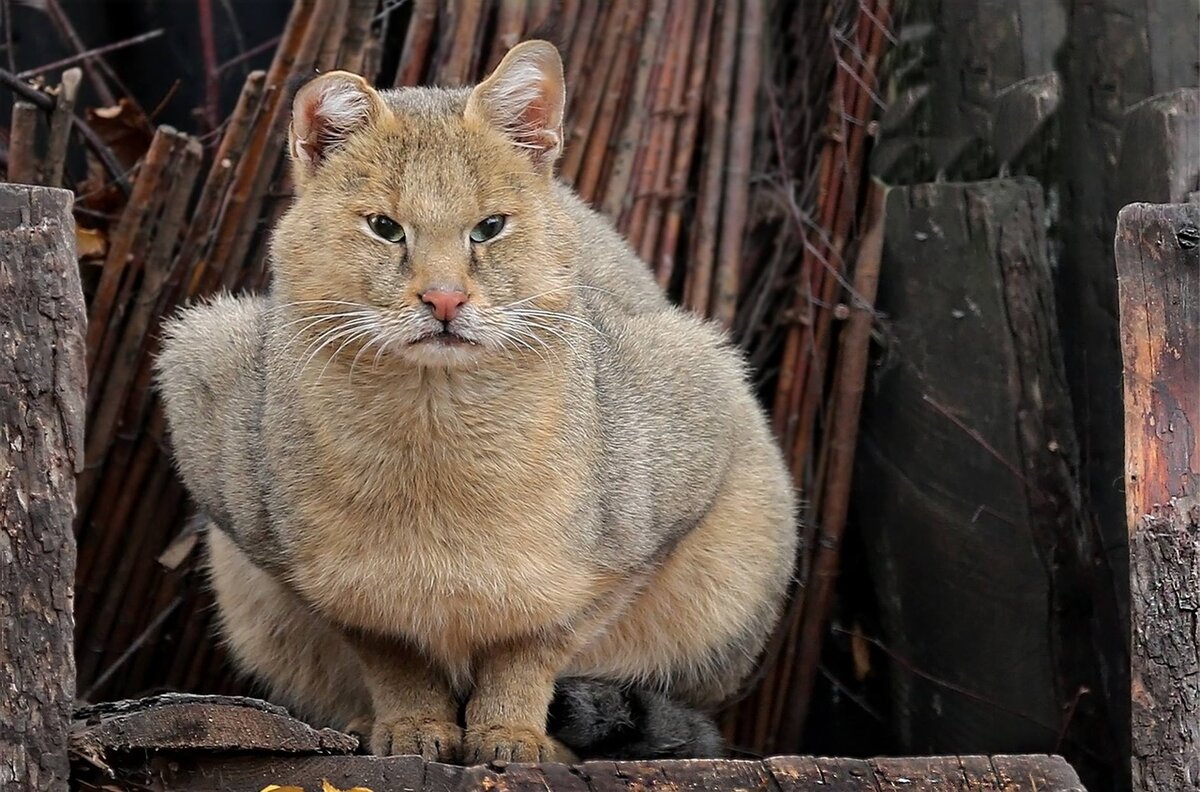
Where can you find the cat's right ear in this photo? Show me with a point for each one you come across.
(325, 112)
(524, 98)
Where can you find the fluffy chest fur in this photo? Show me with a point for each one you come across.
(457, 521)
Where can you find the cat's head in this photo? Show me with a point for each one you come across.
(426, 222)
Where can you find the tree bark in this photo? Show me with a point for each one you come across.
(42, 385)
(1158, 270)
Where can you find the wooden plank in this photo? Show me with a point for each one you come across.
(1117, 54)
(42, 386)
(972, 373)
(1160, 149)
(978, 774)
(1030, 772)
(793, 773)
(175, 722)
(202, 773)
(1158, 269)
(1157, 252)
(941, 774)
(253, 773)
(1024, 135)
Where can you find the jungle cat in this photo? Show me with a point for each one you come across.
(474, 487)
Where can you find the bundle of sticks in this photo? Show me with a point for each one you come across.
(725, 139)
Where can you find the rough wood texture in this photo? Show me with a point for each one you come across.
(785, 774)
(191, 753)
(42, 385)
(1117, 54)
(969, 452)
(212, 723)
(1158, 267)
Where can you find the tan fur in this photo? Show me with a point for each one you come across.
(403, 524)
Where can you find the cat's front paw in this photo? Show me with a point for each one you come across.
(432, 740)
(502, 742)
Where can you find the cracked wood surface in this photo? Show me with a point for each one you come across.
(42, 378)
(1158, 267)
(182, 743)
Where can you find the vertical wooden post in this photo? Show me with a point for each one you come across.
(42, 383)
(1158, 270)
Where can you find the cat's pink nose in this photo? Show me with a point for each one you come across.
(444, 302)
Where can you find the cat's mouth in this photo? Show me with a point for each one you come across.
(444, 338)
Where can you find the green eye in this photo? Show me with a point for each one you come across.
(386, 228)
(487, 228)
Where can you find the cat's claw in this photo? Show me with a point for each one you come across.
(502, 743)
(432, 740)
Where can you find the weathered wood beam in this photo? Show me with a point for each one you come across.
(968, 486)
(1158, 270)
(191, 743)
(42, 385)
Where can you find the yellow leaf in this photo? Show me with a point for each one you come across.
(860, 652)
(90, 243)
(277, 788)
(328, 787)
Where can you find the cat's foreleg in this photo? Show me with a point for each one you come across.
(416, 711)
(507, 711)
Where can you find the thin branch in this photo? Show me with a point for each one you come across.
(208, 48)
(92, 63)
(257, 49)
(71, 61)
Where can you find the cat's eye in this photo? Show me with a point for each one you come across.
(487, 228)
(385, 228)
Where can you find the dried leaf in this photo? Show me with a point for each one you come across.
(124, 129)
(277, 788)
(860, 651)
(90, 243)
(328, 787)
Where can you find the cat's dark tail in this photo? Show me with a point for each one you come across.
(603, 720)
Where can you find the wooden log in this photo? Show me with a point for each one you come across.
(1024, 137)
(1160, 149)
(42, 385)
(1117, 53)
(1158, 270)
(974, 375)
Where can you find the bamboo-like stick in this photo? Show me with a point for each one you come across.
(646, 165)
(737, 168)
(510, 23)
(129, 354)
(596, 155)
(627, 143)
(587, 107)
(587, 28)
(685, 147)
(698, 290)
(147, 189)
(456, 69)
(193, 261)
(334, 34)
(667, 128)
(358, 42)
(23, 164)
(61, 119)
(418, 42)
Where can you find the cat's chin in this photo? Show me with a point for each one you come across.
(444, 350)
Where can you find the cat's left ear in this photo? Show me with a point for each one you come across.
(524, 98)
